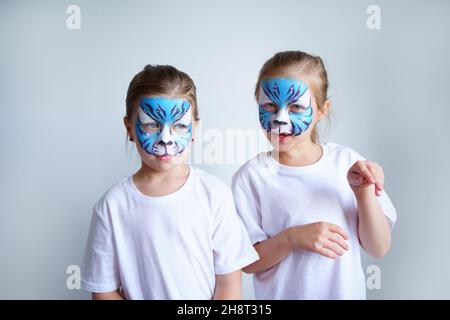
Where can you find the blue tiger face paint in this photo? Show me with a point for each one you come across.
(164, 126)
(284, 106)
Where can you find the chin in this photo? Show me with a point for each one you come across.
(283, 148)
(281, 143)
(161, 163)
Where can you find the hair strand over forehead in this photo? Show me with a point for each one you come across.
(160, 80)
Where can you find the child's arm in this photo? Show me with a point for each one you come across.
(228, 286)
(373, 228)
(114, 295)
(271, 252)
(323, 238)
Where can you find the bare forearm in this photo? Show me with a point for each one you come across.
(114, 295)
(271, 252)
(373, 228)
(228, 286)
(228, 292)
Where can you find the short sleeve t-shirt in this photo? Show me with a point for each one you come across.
(271, 197)
(168, 247)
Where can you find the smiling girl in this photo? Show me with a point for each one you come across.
(170, 231)
(308, 207)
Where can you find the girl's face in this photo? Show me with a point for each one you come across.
(287, 111)
(163, 130)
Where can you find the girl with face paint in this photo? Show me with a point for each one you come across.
(164, 232)
(308, 207)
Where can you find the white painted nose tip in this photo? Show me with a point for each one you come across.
(166, 136)
(282, 116)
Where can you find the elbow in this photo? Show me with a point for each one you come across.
(249, 269)
(381, 251)
(253, 267)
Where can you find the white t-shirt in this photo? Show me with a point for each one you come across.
(168, 247)
(271, 197)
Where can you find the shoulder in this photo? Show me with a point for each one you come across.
(252, 168)
(212, 192)
(208, 183)
(342, 155)
(113, 197)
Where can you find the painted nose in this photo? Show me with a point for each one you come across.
(281, 117)
(166, 136)
(280, 123)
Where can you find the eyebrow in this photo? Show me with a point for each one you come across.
(183, 117)
(147, 119)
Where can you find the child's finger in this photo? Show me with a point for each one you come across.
(336, 229)
(378, 183)
(327, 253)
(339, 240)
(334, 247)
(381, 174)
(377, 172)
(354, 178)
(365, 172)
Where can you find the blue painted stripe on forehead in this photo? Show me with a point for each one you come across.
(164, 110)
(283, 91)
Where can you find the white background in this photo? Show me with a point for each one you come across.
(62, 98)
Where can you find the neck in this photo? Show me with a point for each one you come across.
(147, 173)
(303, 153)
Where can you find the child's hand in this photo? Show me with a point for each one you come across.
(363, 174)
(324, 238)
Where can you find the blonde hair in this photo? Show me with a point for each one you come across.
(164, 80)
(311, 68)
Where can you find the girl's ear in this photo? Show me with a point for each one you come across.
(323, 112)
(127, 123)
(195, 126)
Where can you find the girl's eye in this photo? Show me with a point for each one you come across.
(270, 107)
(297, 108)
(151, 125)
(180, 126)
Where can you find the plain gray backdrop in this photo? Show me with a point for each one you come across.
(62, 98)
